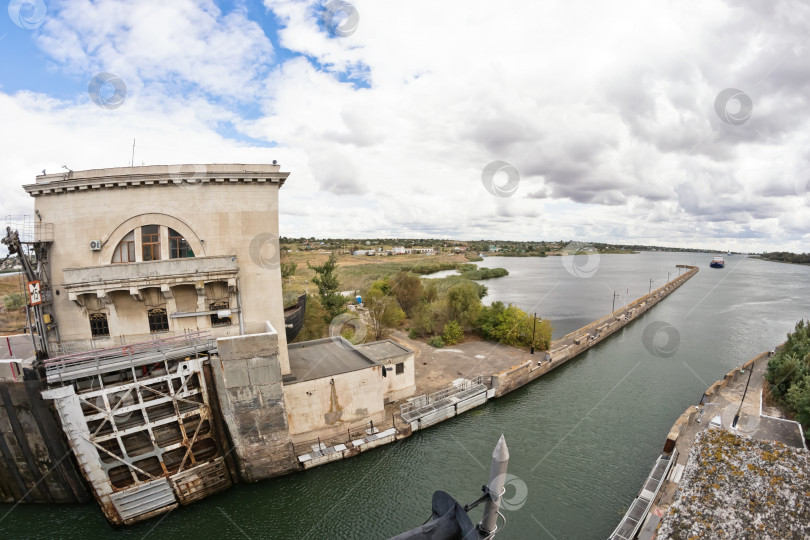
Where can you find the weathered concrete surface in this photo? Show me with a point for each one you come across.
(36, 465)
(734, 487)
(248, 381)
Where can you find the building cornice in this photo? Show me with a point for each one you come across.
(156, 175)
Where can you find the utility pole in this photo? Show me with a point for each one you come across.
(497, 478)
(648, 292)
(614, 302)
(534, 326)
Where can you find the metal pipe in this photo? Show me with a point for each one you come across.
(239, 308)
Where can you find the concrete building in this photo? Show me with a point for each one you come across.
(398, 362)
(161, 250)
(336, 386)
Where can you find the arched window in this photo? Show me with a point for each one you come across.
(125, 251)
(151, 249)
(178, 246)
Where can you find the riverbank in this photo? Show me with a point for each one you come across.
(450, 392)
(738, 394)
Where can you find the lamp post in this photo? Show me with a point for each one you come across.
(534, 326)
(737, 415)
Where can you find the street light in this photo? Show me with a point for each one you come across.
(737, 415)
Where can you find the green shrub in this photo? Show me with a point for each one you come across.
(788, 373)
(484, 273)
(512, 326)
(413, 334)
(452, 333)
(14, 301)
(436, 341)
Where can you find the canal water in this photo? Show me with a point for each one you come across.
(582, 439)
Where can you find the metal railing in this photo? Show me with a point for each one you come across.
(426, 400)
(133, 354)
(325, 445)
(66, 348)
(29, 229)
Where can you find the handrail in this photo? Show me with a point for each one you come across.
(126, 350)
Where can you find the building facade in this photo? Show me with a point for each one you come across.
(161, 250)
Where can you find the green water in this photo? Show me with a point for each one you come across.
(582, 439)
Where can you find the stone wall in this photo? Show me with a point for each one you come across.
(506, 381)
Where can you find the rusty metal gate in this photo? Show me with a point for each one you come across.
(144, 436)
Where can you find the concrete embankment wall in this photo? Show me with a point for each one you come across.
(36, 465)
(579, 341)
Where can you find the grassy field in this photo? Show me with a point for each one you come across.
(359, 272)
(11, 323)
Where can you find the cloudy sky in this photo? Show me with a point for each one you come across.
(649, 121)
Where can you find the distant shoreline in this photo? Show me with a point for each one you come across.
(776, 260)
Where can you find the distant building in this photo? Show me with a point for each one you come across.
(424, 251)
(399, 250)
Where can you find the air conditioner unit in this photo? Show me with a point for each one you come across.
(95, 245)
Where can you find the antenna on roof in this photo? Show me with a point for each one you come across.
(132, 163)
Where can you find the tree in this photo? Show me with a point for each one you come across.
(799, 398)
(463, 304)
(326, 279)
(430, 292)
(288, 269)
(422, 320)
(383, 309)
(407, 288)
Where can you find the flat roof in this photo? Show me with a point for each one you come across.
(384, 350)
(324, 358)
